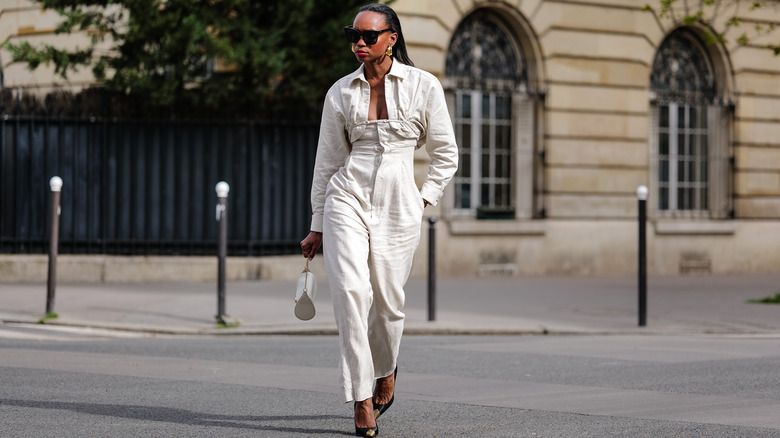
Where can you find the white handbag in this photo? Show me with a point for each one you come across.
(304, 295)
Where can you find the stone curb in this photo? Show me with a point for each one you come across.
(328, 329)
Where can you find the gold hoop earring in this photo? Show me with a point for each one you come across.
(389, 51)
(353, 49)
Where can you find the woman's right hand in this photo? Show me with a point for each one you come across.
(311, 244)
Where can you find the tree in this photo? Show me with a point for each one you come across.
(259, 56)
(722, 18)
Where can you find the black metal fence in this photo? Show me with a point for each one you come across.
(147, 187)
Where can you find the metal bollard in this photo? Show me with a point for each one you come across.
(432, 269)
(222, 189)
(54, 236)
(641, 193)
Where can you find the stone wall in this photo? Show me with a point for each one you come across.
(22, 268)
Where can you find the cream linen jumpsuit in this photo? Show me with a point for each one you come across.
(366, 204)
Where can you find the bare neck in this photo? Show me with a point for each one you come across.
(375, 71)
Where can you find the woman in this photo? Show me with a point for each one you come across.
(367, 210)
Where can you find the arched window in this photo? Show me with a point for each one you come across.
(689, 141)
(486, 75)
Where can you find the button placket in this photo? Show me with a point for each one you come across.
(379, 182)
(365, 90)
(392, 106)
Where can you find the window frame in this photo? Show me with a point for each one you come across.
(466, 73)
(688, 158)
(683, 75)
(476, 179)
(718, 164)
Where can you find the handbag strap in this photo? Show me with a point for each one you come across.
(306, 278)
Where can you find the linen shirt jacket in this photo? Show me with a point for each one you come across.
(417, 112)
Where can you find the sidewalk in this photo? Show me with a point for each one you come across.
(465, 305)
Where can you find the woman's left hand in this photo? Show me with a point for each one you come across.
(311, 244)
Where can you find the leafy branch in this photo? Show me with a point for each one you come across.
(721, 18)
(207, 53)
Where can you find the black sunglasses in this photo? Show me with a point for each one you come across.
(370, 37)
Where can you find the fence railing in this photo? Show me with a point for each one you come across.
(147, 187)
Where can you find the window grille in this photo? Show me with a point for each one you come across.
(682, 71)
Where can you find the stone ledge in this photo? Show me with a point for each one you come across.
(33, 268)
(677, 227)
(465, 227)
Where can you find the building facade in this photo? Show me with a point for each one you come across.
(562, 109)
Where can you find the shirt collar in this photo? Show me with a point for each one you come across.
(357, 75)
(398, 69)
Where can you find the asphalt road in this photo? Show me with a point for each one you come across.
(68, 382)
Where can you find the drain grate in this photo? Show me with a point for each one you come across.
(695, 264)
(497, 270)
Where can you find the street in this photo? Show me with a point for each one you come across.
(70, 382)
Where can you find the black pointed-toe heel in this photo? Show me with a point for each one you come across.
(366, 431)
(380, 408)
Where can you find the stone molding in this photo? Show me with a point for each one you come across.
(689, 227)
(473, 227)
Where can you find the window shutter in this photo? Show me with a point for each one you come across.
(447, 201)
(719, 175)
(523, 183)
(654, 195)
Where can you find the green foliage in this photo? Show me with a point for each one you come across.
(726, 13)
(48, 316)
(768, 300)
(260, 56)
(226, 322)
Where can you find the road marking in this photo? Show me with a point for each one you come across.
(657, 349)
(61, 333)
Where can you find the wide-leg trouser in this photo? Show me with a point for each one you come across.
(368, 253)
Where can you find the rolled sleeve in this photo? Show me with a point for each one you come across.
(440, 144)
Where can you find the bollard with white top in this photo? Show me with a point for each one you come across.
(641, 194)
(55, 184)
(432, 269)
(222, 190)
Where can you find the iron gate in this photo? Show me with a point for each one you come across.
(147, 187)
